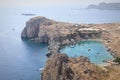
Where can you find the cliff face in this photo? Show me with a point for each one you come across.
(57, 68)
(60, 67)
(35, 26)
(41, 29)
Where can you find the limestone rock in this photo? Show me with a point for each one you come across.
(41, 29)
(33, 28)
(60, 67)
(57, 69)
(57, 34)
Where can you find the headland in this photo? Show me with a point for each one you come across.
(58, 34)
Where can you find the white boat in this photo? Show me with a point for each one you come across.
(40, 69)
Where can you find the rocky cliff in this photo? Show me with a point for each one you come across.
(56, 34)
(35, 28)
(61, 67)
(41, 29)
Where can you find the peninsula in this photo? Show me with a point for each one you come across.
(60, 66)
(105, 6)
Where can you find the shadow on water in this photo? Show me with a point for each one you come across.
(30, 43)
(35, 53)
(38, 50)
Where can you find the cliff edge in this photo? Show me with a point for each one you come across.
(34, 28)
(61, 67)
(56, 34)
(41, 29)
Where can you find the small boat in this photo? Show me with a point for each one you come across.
(89, 49)
(40, 69)
(97, 53)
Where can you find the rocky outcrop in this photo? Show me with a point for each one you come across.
(34, 27)
(56, 34)
(57, 69)
(61, 67)
(41, 29)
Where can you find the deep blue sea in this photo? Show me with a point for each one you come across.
(19, 60)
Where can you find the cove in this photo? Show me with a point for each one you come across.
(95, 51)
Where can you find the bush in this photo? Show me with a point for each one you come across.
(117, 60)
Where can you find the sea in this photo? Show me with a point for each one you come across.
(95, 51)
(21, 59)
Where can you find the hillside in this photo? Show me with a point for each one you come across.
(105, 6)
(60, 66)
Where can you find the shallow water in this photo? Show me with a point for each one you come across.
(95, 51)
(20, 59)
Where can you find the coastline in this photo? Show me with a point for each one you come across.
(108, 62)
(60, 34)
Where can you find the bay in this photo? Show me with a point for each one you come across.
(95, 51)
(19, 60)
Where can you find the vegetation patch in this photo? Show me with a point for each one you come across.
(117, 60)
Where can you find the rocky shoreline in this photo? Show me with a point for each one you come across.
(57, 34)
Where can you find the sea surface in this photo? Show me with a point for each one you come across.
(95, 51)
(19, 60)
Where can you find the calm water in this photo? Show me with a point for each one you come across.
(94, 50)
(20, 59)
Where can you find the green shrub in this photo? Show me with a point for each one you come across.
(117, 60)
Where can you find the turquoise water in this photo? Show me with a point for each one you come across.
(19, 59)
(95, 51)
